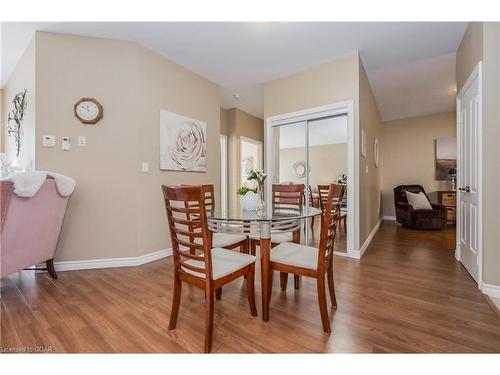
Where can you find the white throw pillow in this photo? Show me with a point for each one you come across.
(418, 201)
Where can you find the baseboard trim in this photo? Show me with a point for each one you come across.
(392, 218)
(359, 253)
(341, 253)
(355, 254)
(491, 290)
(111, 263)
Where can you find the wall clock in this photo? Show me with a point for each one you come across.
(88, 111)
(299, 169)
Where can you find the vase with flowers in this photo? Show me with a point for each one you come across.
(259, 177)
(248, 198)
(342, 179)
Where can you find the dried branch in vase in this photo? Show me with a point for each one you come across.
(15, 120)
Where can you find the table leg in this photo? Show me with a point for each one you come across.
(296, 239)
(265, 271)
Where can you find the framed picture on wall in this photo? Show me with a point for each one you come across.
(376, 152)
(446, 157)
(364, 143)
(183, 143)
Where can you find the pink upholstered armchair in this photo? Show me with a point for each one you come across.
(30, 227)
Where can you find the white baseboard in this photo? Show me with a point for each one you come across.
(491, 290)
(488, 289)
(341, 253)
(392, 218)
(355, 254)
(359, 253)
(111, 263)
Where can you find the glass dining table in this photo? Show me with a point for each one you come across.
(262, 224)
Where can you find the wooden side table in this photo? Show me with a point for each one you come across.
(449, 200)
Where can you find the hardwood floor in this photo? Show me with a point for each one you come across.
(407, 294)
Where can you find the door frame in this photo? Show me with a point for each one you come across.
(223, 172)
(336, 109)
(256, 142)
(476, 73)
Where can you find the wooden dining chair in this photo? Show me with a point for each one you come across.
(285, 198)
(343, 211)
(196, 262)
(225, 240)
(342, 217)
(312, 262)
(311, 203)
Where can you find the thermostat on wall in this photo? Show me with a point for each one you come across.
(49, 140)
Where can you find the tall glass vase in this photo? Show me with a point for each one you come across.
(261, 207)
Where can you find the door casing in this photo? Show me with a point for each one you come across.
(341, 108)
(223, 172)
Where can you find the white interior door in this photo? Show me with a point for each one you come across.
(469, 228)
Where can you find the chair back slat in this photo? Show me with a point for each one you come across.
(288, 197)
(187, 220)
(323, 191)
(188, 255)
(186, 210)
(331, 211)
(189, 244)
(188, 233)
(209, 193)
(199, 270)
(310, 196)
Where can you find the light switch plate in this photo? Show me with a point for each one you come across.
(49, 140)
(66, 145)
(82, 140)
(145, 166)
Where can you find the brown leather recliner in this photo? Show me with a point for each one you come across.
(417, 219)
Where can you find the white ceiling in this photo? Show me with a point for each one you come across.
(241, 56)
(327, 131)
(415, 89)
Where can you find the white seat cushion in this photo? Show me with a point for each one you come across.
(296, 255)
(224, 262)
(227, 239)
(224, 239)
(276, 237)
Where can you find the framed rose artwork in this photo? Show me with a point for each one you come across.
(183, 143)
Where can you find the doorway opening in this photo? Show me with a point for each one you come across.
(251, 155)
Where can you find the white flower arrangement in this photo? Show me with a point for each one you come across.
(258, 176)
(253, 198)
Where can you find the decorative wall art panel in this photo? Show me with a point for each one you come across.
(183, 143)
